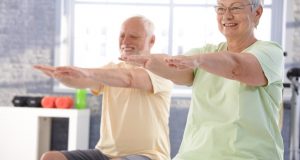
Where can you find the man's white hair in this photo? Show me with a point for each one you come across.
(149, 25)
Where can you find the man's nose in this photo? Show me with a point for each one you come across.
(125, 40)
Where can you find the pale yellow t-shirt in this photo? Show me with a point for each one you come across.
(229, 120)
(134, 121)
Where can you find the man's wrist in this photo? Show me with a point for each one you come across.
(96, 90)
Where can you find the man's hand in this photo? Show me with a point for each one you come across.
(74, 77)
(70, 76)
(48, 70)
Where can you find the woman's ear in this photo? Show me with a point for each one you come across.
(258, 12)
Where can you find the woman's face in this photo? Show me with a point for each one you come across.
(236, 19)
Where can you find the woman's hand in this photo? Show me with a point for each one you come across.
(138, 60)
(182, 62)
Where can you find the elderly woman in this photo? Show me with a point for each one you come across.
(236, 89)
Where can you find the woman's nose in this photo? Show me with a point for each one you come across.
(227, 14)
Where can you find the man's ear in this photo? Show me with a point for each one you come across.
(152, 41)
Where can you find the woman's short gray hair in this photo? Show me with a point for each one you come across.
(256, 3)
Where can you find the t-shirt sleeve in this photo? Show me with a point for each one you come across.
(270, 56)
(97, 92)
(208, 48)
(159, 84)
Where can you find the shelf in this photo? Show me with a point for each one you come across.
(27, 130)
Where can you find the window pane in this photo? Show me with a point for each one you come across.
(96, 34)
(211, 2)
(194, 28)
(128, 1)
(263, 31)
(267, 2)
(195, 1)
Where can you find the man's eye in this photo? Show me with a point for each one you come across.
(134, 37)
(235, 8)
(221, 9)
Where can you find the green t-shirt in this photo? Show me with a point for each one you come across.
(229, 120)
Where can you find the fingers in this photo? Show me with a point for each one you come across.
(139, 60)
(64, 70)
(173, 62)
(72, 72)
(58, 72)
(44, 68)
(179, 62)
(48, 70)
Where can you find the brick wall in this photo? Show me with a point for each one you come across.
(296, 41)
(292, 39)
(26, 38)
(27, 29)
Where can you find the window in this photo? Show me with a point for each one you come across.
(88, 29)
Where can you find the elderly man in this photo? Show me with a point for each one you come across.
(135, 110)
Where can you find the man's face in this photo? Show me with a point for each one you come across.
(133, 38)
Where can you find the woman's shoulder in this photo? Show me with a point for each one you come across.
(262, 43)
(266, 47)
(209, 48)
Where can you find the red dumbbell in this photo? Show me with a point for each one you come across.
(48, 102)
(65, 102)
